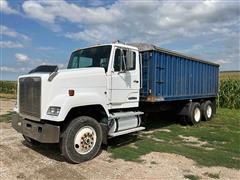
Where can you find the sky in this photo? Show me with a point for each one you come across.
(46, 32)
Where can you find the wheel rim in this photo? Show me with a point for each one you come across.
(197, 114)
(209, 111)
(85, 140)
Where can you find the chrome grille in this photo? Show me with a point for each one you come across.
(30, 96)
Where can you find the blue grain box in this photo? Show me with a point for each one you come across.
(170, 76)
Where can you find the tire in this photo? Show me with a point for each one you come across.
(82, 139)
(207, 109)
(31, 141)
(195, 115)
(183, 120)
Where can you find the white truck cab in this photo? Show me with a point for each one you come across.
(96, 97)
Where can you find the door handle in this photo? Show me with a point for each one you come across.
(136, 81)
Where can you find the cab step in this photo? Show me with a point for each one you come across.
(119, 133)
(125, 114)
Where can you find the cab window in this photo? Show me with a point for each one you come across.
(124, 60)
(90, 57)
(131, 62)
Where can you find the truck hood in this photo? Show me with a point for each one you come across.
(89, 69)
(82, 77)
(80, 80)
(86, 83)
(68, 72)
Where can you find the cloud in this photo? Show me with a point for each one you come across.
(14, 69)
(222, 61)
(149, 21)
(5, 8)
(49, 11)
(35, 10)
(7, 69)
(209, 28)
(10, 44)
(12, 33)
(38, 62)
(21, 57)
(25, 68)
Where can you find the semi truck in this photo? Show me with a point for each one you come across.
(106, 91)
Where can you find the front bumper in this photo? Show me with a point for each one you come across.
(42, 132)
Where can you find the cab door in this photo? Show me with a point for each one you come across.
(125, 79)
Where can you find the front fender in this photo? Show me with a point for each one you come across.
(68, 102)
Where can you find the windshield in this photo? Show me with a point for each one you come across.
(90, 57)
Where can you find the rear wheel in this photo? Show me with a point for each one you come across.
(82, 139)
(207, 110)
(194, 116)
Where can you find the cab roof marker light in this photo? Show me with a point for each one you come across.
(71, 92)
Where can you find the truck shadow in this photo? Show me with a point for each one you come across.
(51, 151)
(161, 120)
(152, 122)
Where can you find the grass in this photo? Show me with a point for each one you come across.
(6, 117)
(217, 145)
(213, 176)
(153, 162)
(191, 177)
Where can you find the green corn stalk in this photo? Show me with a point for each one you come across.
(8, 87)
(229, 93)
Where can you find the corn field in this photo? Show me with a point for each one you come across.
(8, 87)
(229, 93)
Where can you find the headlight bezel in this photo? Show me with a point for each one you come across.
(53, 110)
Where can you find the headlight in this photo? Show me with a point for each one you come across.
(53, 110)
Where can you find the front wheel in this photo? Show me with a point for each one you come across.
(82, 139)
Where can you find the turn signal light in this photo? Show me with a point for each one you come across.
(71, 92)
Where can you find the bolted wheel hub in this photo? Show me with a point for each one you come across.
(85, 140)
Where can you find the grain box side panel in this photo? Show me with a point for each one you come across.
(172, 77)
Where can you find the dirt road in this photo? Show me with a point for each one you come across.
(20, 161)
(6, 105)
